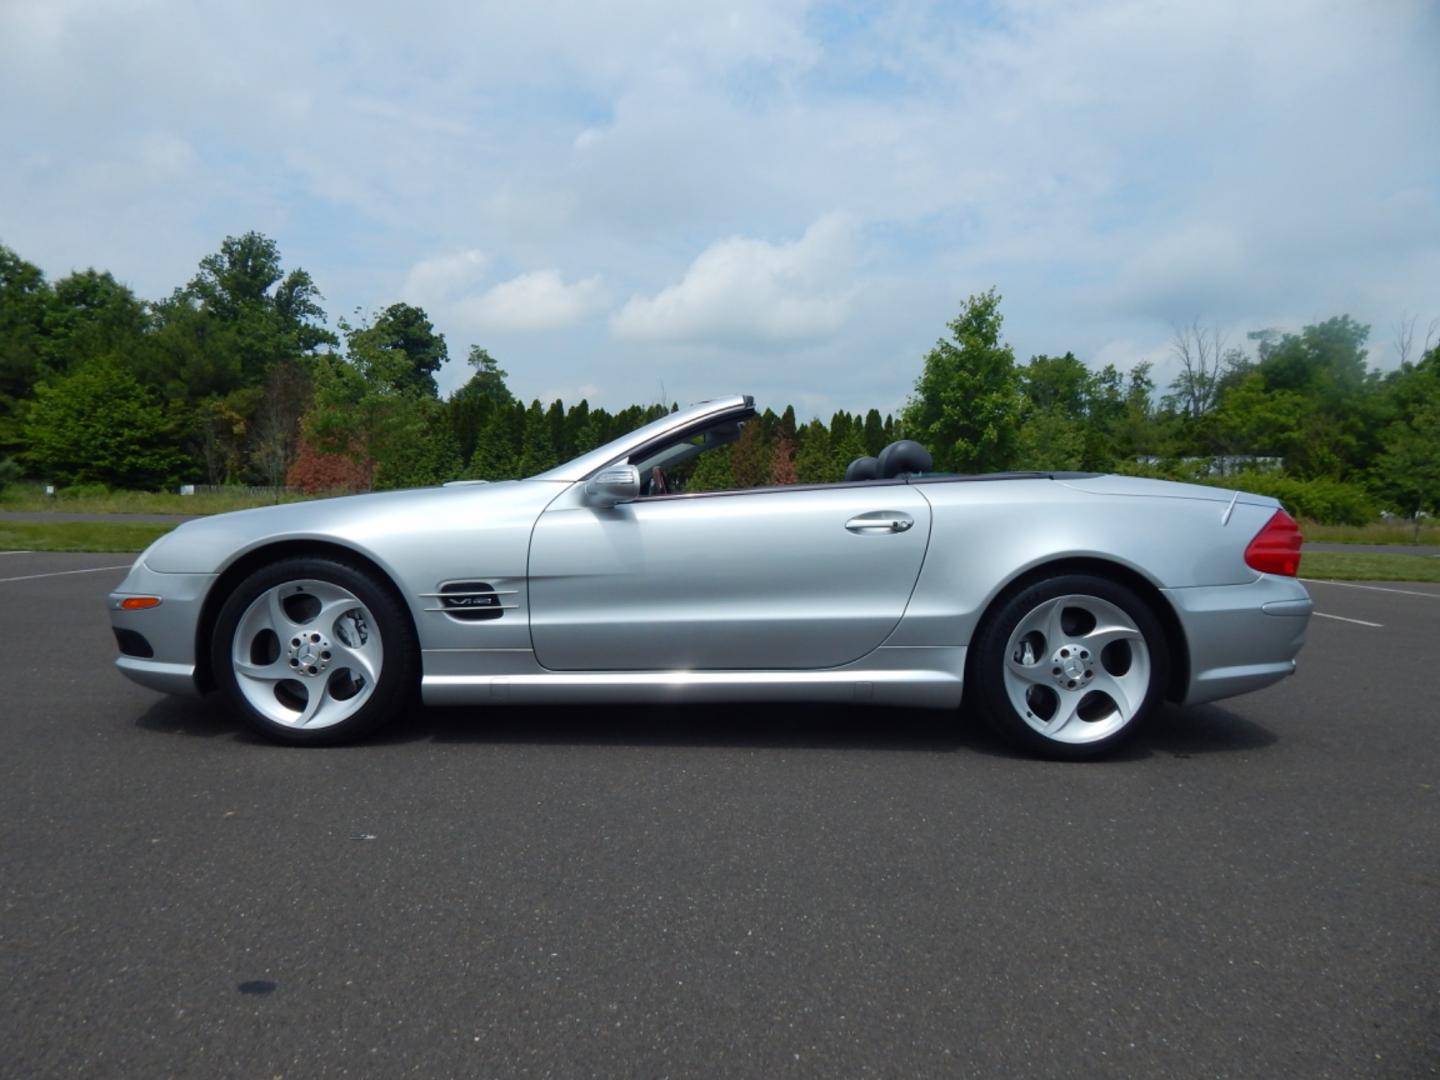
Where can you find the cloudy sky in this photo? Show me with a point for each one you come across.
(648, 197)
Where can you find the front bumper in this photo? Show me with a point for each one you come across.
(1241, 637)
(169, 629)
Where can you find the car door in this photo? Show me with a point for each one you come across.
(777, 578)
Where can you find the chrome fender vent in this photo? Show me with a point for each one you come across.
(471, 601)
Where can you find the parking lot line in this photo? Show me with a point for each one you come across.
(1372, 588)
(16, 553)
(1344, 618)
(62, 573)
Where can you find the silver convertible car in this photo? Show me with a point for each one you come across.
(1064, 607)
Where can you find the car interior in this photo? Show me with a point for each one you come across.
(670, 469)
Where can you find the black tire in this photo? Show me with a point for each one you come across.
(999, 652)
(377, 611)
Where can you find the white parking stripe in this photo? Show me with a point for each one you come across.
(16, 553)
(1342, 618)
(62, 573)
(1372, 588)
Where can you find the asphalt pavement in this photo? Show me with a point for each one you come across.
(1251, 889)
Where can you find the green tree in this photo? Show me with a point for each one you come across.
(1334, 399)
(1060, 384)
(559, 442)
(813, 463)
(240, 314)
(91, 314)
(472, 404)
(401, 346)
(274, 441)
(99, 425)
(1406, 471)
(537, 450)
(430, 455)
(967, 403)
(750, 457)
(377, 405)
(786, 424)
(874, 433)
(1050, 440)
(488, 381)
(497, 450)
(221, 425)
(713, 471)
(1134, 434)
(1057, 393)
(25, 300)
(849, 446)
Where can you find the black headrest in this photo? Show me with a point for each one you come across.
(863, 468)
(905, 456)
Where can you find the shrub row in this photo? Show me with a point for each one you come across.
(1330, 502)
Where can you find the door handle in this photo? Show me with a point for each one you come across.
(880, 521)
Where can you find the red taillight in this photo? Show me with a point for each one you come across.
(1276, 547)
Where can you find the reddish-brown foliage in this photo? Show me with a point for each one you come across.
(314, 471)
(782, 461)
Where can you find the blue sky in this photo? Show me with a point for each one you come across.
(644, 199)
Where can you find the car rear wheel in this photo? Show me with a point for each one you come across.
(314, 650)
(1071, 666)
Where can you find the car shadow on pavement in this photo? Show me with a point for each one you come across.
(1175, 732)
(203, 718)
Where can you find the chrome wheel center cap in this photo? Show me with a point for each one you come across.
(1072, 666)
(309, 654)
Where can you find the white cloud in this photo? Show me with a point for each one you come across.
(538, 300)
(742, 290)
(442, 277)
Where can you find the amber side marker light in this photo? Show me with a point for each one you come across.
(139, 603)
(1276, 547)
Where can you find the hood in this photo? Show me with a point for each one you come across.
(207, 544)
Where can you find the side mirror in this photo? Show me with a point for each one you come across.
(615, 484)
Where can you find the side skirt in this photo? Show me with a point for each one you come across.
(916, 676)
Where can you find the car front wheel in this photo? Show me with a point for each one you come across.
(1071, 666)
(314, 650)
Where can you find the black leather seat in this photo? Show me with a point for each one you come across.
(862, 468)
(904, 456)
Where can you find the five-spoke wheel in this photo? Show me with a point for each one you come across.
(1070, 665)
(313, 650)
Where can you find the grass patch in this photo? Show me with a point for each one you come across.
(30, 499)
(1379, 532)
(122, 536)
(1348, 566)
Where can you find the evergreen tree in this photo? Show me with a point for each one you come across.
(750, 457)
(874, 437)
(782, 460)
(537, 451)
(555, 417)
(786, 426)
(812, 460)
(496, 454)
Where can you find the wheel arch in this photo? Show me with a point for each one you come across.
(1175, 642)
(255, 558)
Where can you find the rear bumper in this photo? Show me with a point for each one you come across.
(169, 629)
(1241, 637)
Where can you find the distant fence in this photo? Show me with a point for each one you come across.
(250, 491)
